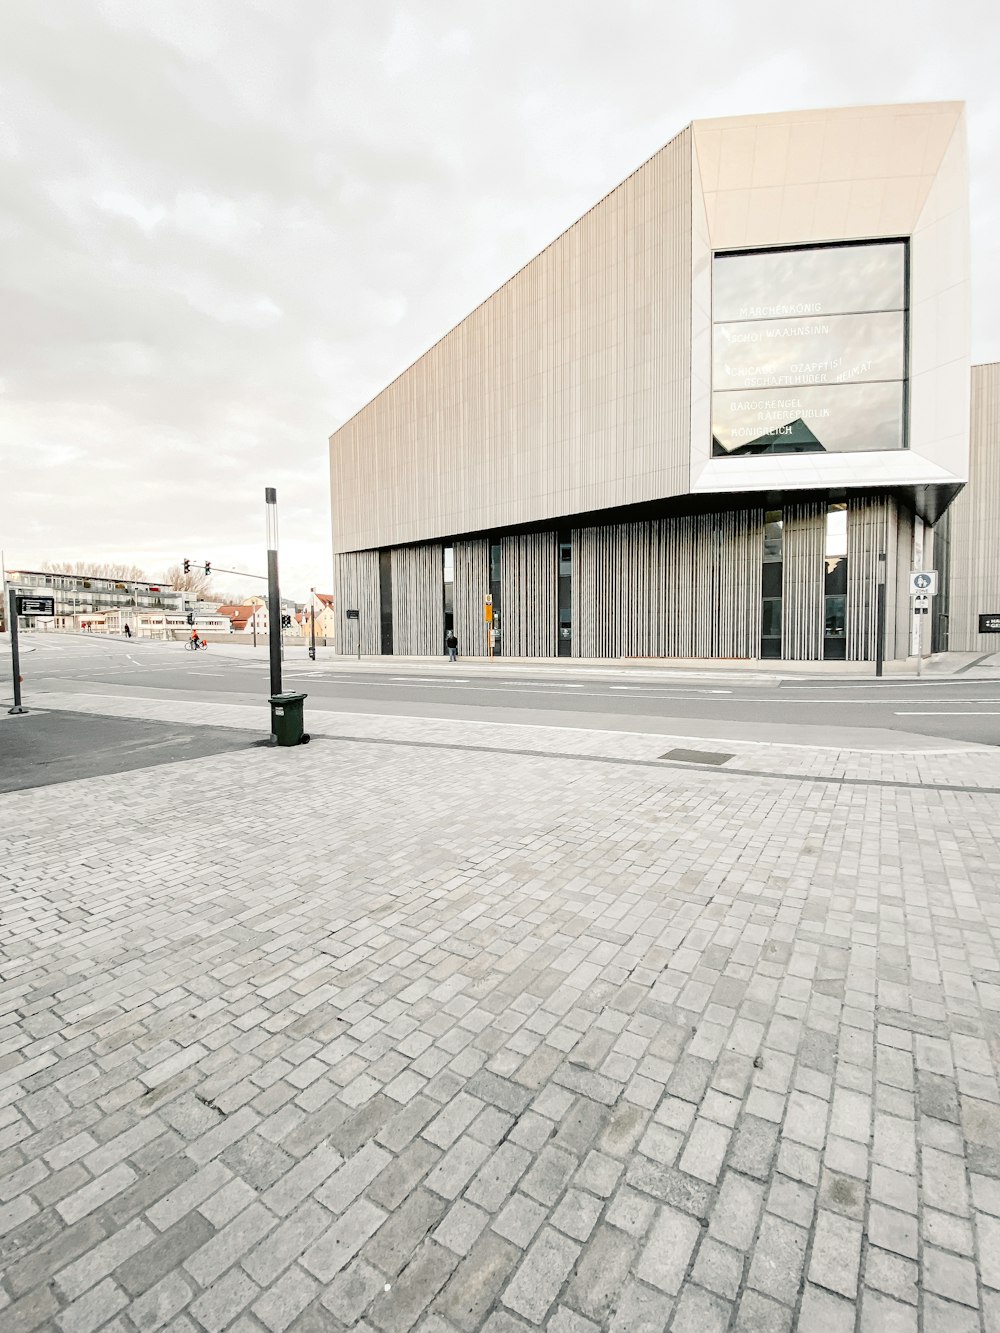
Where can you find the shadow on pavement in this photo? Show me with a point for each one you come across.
(40, 748)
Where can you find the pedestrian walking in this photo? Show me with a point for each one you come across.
(451, 643)
(128, 632)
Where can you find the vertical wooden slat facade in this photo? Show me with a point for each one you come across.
(803, 581)
(687, 586)
(869, 526)
(673, 587)
(355, 586)
(566, 391)
(418, 600)
(529, 595)
(975, 523)
(472, 583)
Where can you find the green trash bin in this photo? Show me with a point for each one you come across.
(286, 718)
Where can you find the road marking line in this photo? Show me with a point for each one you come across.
(428, 680)
(941, 712)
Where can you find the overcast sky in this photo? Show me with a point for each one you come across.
(226, 224)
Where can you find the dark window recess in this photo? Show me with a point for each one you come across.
(565, 642)
(770, 625)
(771, 585)
(449, 588)
(385, 600)
(835, 627)
(495, 590)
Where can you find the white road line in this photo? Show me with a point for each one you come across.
(941, 712)
(428, 680)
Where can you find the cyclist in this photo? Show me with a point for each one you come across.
(195, 640)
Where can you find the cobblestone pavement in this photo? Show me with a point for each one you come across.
(383, 1037)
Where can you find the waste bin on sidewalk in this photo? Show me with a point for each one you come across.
(286, 718)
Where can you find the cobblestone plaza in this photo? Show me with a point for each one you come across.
(455, 1028)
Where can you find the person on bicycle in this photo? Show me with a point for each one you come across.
(194, 638)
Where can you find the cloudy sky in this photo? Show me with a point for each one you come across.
(226, 224)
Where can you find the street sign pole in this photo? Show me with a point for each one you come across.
(352, 613)
(14, 653)
(273, 592)
(312, 623)
(880, 616)
(923, 586)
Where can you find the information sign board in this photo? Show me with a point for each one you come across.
(989, 622)
(36, 606)
(352, 614)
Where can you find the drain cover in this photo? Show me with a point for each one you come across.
(696, 756)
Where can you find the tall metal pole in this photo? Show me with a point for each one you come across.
(273, 592)
(14, 652)
(880, 616)
(312, 623)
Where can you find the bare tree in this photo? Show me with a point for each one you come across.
(197, 581)
(98, 569)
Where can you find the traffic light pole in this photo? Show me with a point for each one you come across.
(273, 592)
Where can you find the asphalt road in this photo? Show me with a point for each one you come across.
(711, 704)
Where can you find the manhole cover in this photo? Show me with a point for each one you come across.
(696, 756)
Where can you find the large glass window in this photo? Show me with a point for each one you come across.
(809, 349)
(835, 605)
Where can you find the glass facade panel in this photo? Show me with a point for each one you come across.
(771, 618)
(839, 349)
(817, 280)
(809, 350)
(835, 630)
(831, 418)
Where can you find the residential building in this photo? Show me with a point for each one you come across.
(82, 601)
(319, 607)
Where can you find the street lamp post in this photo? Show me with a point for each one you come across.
(312, 623)
(273, 592)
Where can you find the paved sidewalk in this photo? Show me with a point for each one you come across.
(415, 1032)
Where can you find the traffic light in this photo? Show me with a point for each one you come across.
(190, 617)
(208, 567)
(286, 622)
(187, 566)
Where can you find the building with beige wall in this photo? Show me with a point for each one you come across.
(696, 422)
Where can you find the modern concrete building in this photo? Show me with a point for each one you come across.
(706, 422)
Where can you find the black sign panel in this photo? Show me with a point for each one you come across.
(352, 615)
(990, 623)
(36, 606)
